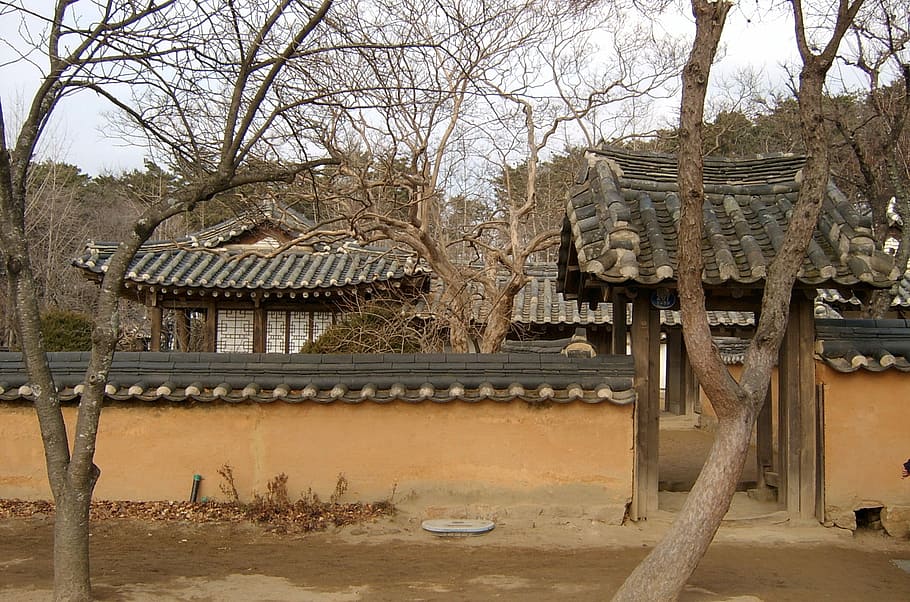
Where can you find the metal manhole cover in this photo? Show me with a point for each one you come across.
(457, 526)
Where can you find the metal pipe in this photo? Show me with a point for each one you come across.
(194, 494)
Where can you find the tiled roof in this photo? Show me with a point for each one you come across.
(623, 215)
(732, 349)
(874, 345)
(233, 269)
(539, 302)
(900, 290)
(187, 378)
(203, 260)
(245, 221)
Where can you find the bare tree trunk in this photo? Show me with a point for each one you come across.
(71, 554)
(664, 572)
(496, 328)
(71, 561)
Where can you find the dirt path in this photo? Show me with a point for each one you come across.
(395, 560)
(544, 559)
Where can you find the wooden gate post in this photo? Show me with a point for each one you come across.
(798, 413)
(646, 356)
(673, 398)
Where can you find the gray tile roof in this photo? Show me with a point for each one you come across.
(732, 349)
(539, 302)
(187, 378)
(349, 265)
(623, 215)
(900, 290)
(873, 345)
(202, 261)
(247, 220)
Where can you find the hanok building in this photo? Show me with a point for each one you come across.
(619, 244)
(249, 285)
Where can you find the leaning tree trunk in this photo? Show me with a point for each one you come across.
(662, 575)
(664, 572)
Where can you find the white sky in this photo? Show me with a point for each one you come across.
(753, 38)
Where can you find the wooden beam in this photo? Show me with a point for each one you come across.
(620, 330)
(673, 397)
(820, 452)
(788, 418)
(646, 356)
(691, 392)
(211, 326)
(764, 449)
(155, 316)
(259, 329)
(601, 338)
(798, 413)
(654, 409)
(808, 409)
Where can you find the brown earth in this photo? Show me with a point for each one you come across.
(756, 556)
(395, 560)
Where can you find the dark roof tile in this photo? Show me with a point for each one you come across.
(241, 378)
(873, 345)
(622, 216)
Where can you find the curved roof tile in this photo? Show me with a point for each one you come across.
(188, 378)
(623, 216)
(873, 345)
(233, 269)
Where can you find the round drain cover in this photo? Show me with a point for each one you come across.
(457, 526)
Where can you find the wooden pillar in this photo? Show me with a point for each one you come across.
(646, 357)
(620, 329)
(673, 397)
(691, 400)
(211, 327)
(601, 338)
(182, 330)
(259, 329)
(798, 413)
(764, 451)
(820, 452)
(155, 317)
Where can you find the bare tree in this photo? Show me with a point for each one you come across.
(873, 128)
(202, 82)
(495, 85)
(664, 572)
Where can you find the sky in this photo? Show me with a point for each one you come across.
(79, 133)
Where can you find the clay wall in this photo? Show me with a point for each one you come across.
(482, 454)
(867, 439)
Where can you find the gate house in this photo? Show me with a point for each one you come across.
(619, 245)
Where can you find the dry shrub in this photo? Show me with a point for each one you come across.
(309, 513)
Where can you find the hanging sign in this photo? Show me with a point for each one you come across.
(663, 299)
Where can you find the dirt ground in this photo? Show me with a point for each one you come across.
(757, 557)
(395, 560)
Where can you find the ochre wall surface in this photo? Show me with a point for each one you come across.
(867, 439)
(455, 453)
